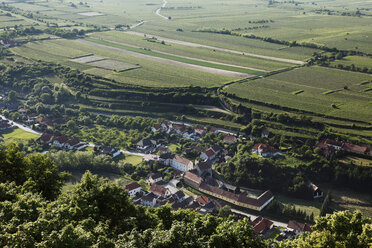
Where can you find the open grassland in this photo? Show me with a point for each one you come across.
(17, 135)
(152, 74)
(278, 90)
(310, 207)
(346, 199)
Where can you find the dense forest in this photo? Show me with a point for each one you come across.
(99, 213)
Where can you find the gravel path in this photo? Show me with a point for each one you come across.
(190, 44)
(158, 10)
(169, 61)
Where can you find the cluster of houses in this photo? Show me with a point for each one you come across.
(189, 132)
(265, 227)
(62, 141)
(159, 195)
(330, 146)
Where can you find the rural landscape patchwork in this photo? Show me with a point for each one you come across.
(174, 123)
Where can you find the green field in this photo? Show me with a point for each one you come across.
(352, 103)
(17, 135)
(151, 73)
(132, 159)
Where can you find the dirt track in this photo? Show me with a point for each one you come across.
(190, 44)
(170, 62)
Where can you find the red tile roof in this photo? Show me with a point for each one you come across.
(261, 225)
(209, 152)
(355, 148)
(299, 226)
(46, 137)
(192, 177)
(132, 186)
(202, 200)
(181, 160)
(60, 139)
(264, 148)
(229, 138)
(158, 190)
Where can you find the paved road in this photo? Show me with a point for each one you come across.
(21, 126)
(157, 12)
(276, 223)
(191, 44)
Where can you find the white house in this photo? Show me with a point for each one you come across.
(181, 164)
(154, 178)
(133, 189)
(71, 143)
(59, 141)
(149, 200)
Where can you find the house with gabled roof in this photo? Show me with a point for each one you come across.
(155, 178)
(181, 163)
(71, 144)
(133, 189)
(179, 128)
(264, 150)
(148, 199)
(260, 225)
(160, 190)
(59, 141)
(146, 144)
(208, 154)
(203, 169)
(298, 227)
(192, 179)
(229, 139)
(157, 128)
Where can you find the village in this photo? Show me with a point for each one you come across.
(195, 185)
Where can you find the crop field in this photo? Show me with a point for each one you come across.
(113, 65)
(152, 74)
(194, 52)
(351, 103)
(87, 59)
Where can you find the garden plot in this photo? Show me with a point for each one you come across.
(113, 65)
(91, 14)
(87, 59)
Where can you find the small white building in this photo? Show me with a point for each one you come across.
(154, 178)
(133, 189)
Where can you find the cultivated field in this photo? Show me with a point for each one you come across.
(314, 89)
(152, 73)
